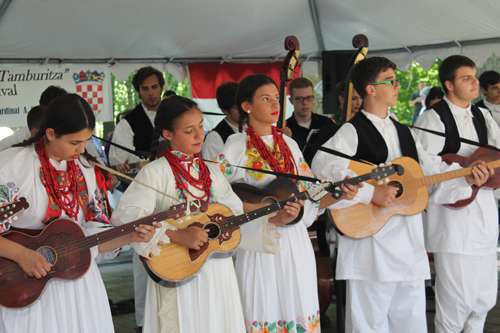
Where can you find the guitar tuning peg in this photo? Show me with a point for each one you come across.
(374, 166)
(387, 180)
(389, 163)
(381, 165)
(380, 182)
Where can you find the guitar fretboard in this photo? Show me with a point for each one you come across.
(453, 174)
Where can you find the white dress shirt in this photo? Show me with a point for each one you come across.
(396, 252)
(471, 230)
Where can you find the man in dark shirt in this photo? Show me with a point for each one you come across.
(303, 123)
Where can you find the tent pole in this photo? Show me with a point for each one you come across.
(317, 27)
(3, 7)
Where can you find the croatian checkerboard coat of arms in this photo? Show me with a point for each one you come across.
(89, 86)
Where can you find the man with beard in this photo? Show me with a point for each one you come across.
(135, 130)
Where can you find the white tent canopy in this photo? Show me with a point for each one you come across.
(235, 30)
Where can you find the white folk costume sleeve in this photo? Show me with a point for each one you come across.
(212, 146)
(124, 136)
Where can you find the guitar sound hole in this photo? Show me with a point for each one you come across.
(49, 254)
(398, 185)
(214, 230)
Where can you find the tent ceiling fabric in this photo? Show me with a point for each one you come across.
(166, 29)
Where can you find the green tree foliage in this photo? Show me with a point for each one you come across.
(409, 84)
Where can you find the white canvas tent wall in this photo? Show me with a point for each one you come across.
(194, 30)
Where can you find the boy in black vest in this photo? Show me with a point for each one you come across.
(135, 130)
(464, 241)
(215, 140)
(385, 273)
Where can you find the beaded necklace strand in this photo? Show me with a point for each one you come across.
(272, 158)
(183, 177)
(60, 193)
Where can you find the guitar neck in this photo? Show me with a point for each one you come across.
(244, 218)
(430, 180)
(175, 212)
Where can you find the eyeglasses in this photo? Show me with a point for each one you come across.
(393, 82)
(302, 99)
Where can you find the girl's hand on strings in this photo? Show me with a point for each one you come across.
(191, 237)
(33, 263)
(289, 213)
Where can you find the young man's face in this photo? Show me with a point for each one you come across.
(492, 93)
(298, 97)
(150, 92)
(387, 94)
(465, 85)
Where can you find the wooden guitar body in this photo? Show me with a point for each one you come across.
(20, 290)
(277, 190)
(483, 154)
(176, 263)
(362, 221)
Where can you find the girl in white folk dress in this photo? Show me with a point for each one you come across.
(208, 302)
(279, 288)
(57, 182)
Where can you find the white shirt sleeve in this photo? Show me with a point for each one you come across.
(124, 136)
(212, 146)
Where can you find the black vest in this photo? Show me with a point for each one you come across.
(371, 144)
(452, 145)
(224, 130)
(142, 128)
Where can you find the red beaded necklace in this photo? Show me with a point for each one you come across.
(183, 177)
(273, 159)
(60, 193)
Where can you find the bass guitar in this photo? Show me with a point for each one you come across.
(65, 246)
(176, 263)
(362, 221)
(483, 154)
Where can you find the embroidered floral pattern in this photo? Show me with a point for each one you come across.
(8, 195)
(53, 210)
(304, 170)
(310, 324)
(225, 168)
(98, 208)
(257, 162)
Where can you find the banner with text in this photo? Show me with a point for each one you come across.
(21, 87)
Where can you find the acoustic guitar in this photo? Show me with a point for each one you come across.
(65, 246)
(362, 221)
(176, 263)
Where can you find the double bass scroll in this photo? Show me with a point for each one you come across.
(361, 43)
(291, 61)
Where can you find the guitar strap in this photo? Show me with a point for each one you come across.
(270, 172)
(449, 136)
(138, 154)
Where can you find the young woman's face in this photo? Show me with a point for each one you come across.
(356, 101)
(265, 108)
(188, 134)
(66, 147)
